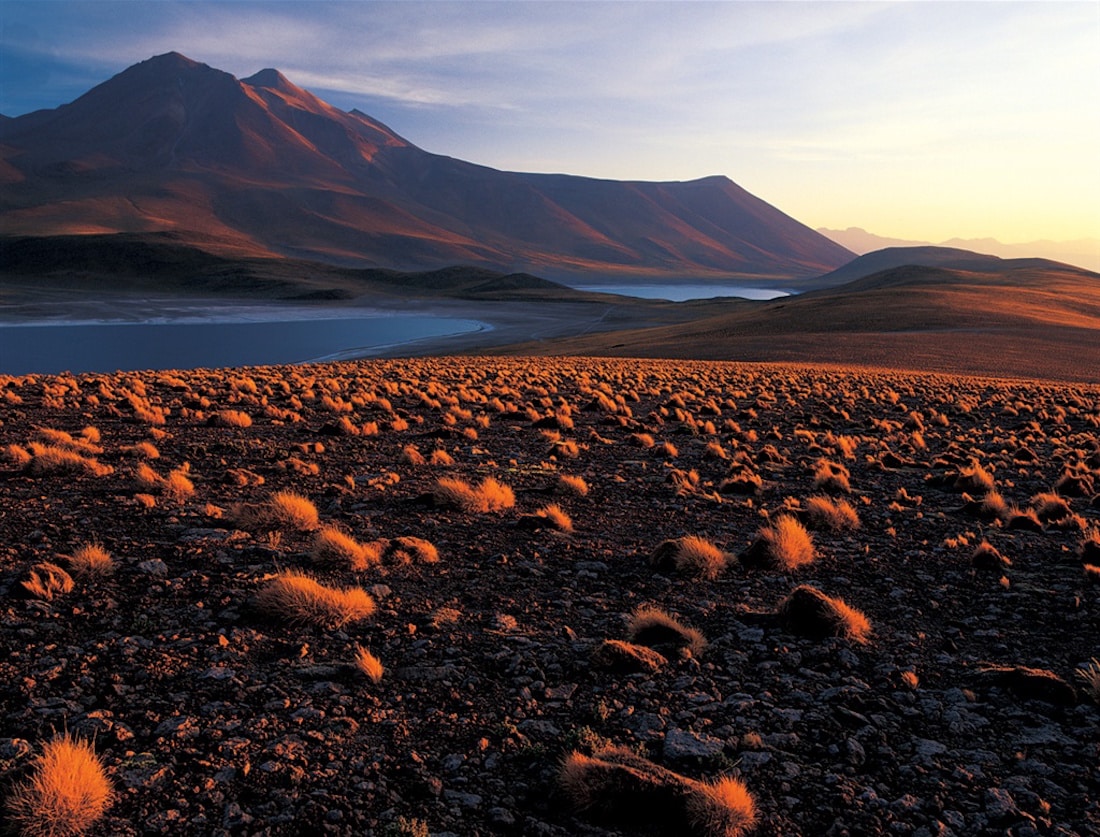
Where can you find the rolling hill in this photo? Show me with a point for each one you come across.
(260, 167)
(965, 313)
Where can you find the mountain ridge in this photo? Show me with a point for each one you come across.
(259, 166)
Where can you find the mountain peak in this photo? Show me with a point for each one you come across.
(270, 79)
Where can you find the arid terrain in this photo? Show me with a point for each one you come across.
(489, 532)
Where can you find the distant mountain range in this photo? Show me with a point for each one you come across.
(259, 167)
(1083, 252)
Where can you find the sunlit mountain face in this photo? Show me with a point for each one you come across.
(258, 166)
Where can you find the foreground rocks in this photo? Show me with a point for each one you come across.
(962, 712)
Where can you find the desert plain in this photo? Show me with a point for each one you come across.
(553, 596)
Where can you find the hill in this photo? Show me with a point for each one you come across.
(1028, 318)
(1083, 252)
(260, 167)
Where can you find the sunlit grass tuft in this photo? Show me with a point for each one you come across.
(67, 793)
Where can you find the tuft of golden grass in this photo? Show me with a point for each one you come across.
(409, 550)
(831, 476)
(830, 514)
(654, 628)
(690, 555)
(46, 580)
(1088, 550)
(619, 786)
(1089, 674)
(18, 455)
(910, 680)
(334, 547)
(51, 459)
(974, 479)
(557, 516)
(67, 793)
(91, 559)
(1049, 506)
(810, 612)
(441, 457)
(785, 544)
(230, 418)
(411, 456)
(301, 599)
(987, 557)
(369, 664)
(569, 484)
(722, 807)
(284, 510)
(490, 496)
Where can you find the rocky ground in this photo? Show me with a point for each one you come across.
(213, 715)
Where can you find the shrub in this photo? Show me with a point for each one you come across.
(46, 580)
(284, 510)
(331, 546)
(369, 664)
(654, 628)
(67, 793)
(556, 516)
(51, 459)
(300, 599)
(809, 612)
(230, 418)
(91, 560)
(831, 476)
(834, 515)
(785, 545)
(409, 550)
(987, 557)
(489, 496)
(618, 786)
(568, 484)
(690, 555)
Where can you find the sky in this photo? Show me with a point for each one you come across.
(916, 120)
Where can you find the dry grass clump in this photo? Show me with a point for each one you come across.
(67, 794)
(177, 485)
(46, 580)
(489, 496)
(336, 548)
(230, 418)
(441, 457)
(301, 599)
(655, 628)
(785, 545)
(369, 664)
(52, 459)
(569, 484)
(1089, 674)
(809, 612)
(830, 514)
(1089, 548)
(285, 510)
(411, 456)
(974, 479)
(627, 658)
(831, 476)
(1049, 506)
(556, 516)
(408, 550)
(1031, 684)
(620, 787)
(987, 557)
(690, 555)
(91, 559)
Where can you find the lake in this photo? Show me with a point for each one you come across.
(682, 292)
(107, 347)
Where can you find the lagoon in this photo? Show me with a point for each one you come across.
(683, 292)
(49, 348)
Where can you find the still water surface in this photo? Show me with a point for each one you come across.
(682, 292)
(106, 347)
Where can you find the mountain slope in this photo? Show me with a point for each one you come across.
(260, 167)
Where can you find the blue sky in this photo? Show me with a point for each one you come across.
(922, 120)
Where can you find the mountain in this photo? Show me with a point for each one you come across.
(962, 313)
(260, 167)
(1083, 252)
